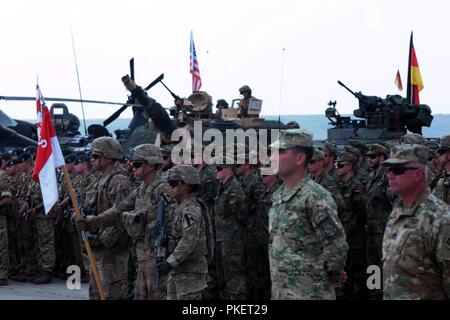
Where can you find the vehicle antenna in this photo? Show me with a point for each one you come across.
(281, 89)
(78, 78)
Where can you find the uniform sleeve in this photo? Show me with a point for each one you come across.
(120, 188)
(330, 232)
(5, 190)
(111, 216)
(190, 236)
(237, 205)
(443, 255)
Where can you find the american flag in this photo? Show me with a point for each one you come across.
(196, 79)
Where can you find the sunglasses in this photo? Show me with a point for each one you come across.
(174, 183)
(137, 164)
(373, 156)
(442, 151)
(220, 168)
(400, 170)
(341, 165)
(312, 161)
(95, 156)
(165, 158)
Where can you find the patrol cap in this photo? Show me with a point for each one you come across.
(404, 153)
(226, 161)
(81, 158)
(24, 156)
(318, 155)
(70, 158)
(166, 150)
(17, 152)
(107, 147)
(186, 173)
(147, 152)
(377, 149)
(445, 142)
(413, 138)
(353, 150)
(292, 138)
(330, 148)
(358, 144)
(347, 157)
(5, 156)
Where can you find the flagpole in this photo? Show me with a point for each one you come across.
(83, 235)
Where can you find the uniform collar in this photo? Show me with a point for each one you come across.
(287, 194)
(410, 210)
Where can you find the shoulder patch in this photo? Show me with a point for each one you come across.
(328, 229)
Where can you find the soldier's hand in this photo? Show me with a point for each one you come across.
(85, 223)
(163, 267)
(23, 208)
(339, 282)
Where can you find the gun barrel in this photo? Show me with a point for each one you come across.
(343, 85)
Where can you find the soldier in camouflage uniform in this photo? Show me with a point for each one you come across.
(318, 174)
(358, 169)
(378, 208)
(442, 190)
(307, 247)
(246, 92)
(109, 243)
(187, 262)
(138, 212)
(5, 201)
(330, 154)
(255, 239)
(416, 244)
(230, 218)
(353, 219)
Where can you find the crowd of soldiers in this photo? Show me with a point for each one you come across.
(225, 231)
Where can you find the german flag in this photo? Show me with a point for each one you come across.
(415, 83)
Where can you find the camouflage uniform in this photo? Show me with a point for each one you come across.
(5, 191)
(416, 244)
(353, 219)
(138, 212)
(256, 259)
(442, 190)
(359, 170)
(307, 247)
(230, 216)
(378, 208)
(13, 226)
(187, 279)
(109, 244)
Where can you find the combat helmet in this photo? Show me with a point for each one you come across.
(186, 173)
(148, 152)
(245, 89)
(107, 147)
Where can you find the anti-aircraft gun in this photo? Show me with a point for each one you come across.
(383, 119)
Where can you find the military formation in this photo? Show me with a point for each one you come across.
(233, 230)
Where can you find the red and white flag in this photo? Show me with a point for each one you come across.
(194, 69)
(49, 155)
(398, 81)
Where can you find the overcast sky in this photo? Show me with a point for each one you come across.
(360, 42)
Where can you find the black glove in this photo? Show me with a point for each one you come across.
(163, 267)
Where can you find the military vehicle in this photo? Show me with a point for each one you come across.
(378, 120)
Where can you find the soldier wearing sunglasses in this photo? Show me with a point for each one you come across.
(378, 208)
(354, 220)
(442, 190)
(416, 243)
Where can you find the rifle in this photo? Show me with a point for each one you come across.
(161, 238)
(29, 201)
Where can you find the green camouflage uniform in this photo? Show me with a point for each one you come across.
(5, 191)
(416, 250)
(230, 217)
(307, 249)
(332, 187)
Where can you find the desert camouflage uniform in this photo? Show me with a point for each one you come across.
(5, 191)
(307, 247)
(416, 250)
(13, 228)
(143, 202)
(442, 190)
(109, 244)
(230, 216)
(187, 280)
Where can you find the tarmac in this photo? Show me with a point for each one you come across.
(56, 290)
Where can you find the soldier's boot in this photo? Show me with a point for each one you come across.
(3, 282)
(43, 278)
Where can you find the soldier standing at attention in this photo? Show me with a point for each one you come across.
(442, 190)
(187, 261)
(353, 219)
(5, 200)
(109, 244)
(416, 243)
(330, 154)
(138, 211)
(230, 216)
(378, 208)
(307, 247)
